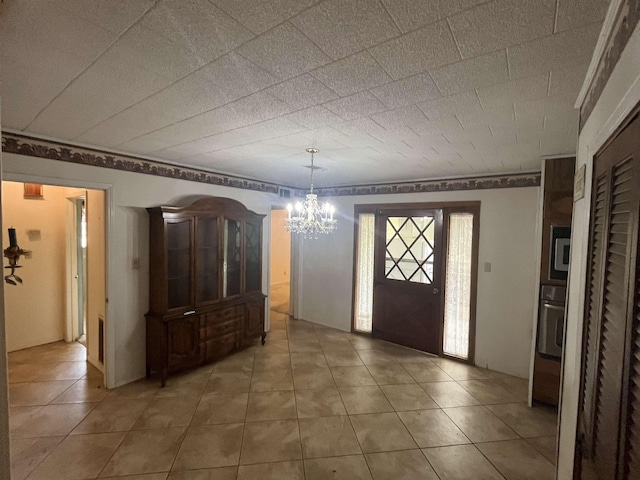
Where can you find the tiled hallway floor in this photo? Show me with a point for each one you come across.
(313, 403)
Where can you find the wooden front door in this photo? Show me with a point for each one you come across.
(407, 297)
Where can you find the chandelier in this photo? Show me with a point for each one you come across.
(310, 217)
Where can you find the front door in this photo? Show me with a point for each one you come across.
(407, 297)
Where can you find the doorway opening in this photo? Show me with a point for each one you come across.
(280, 262)
(62, 297)
(415, 275)
(78, 264)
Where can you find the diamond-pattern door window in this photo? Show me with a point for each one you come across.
(409, 252)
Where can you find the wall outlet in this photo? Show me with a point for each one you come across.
(487, 267)
(135, 264)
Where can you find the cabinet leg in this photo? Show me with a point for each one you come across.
(163, 378)
(264, 338)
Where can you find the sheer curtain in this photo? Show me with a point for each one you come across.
(458, 285)
(364, 272)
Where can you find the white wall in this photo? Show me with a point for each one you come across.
(506, 295)
(127, 289)
(620, 95)
(280, 248)
(35, 310)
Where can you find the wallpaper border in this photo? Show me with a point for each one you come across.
(449, 185)
(35, 147)
(624, 25)
(54, 150)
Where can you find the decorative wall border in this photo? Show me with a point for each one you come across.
(451, 185)
(626, 20)
(35, 147)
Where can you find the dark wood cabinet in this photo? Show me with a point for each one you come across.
(205, 283)
(556, 213)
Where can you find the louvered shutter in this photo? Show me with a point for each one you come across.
(632, 447)
(591, 344)
(613, 323)
(609, 417)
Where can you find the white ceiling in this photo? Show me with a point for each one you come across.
(388, 90)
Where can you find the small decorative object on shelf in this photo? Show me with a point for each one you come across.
(311, 217)
(13, 252)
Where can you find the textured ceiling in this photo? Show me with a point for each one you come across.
(388, 90)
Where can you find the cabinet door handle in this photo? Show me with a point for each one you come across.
(190, 312)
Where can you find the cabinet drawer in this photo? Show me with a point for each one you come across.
(214, 330)
(220, 346)
(221, 315)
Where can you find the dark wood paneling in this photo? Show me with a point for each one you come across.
(557, 207)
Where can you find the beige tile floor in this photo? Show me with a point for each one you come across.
(314, 403)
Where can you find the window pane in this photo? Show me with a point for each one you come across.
(364, 272)
(458, 285)
(409, 249)
(231, 285)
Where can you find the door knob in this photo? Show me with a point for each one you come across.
(436, 291)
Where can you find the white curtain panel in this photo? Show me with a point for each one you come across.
(364, 272)
(458, 285)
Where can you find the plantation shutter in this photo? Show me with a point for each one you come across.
(610, 408)
(632, 448)
(591, 344)
(613, 326)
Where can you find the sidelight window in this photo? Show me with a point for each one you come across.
(364, 272)
(457, 298)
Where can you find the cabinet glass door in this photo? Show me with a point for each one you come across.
(253, 276)
(207, 260)
(179, 264)
(232, 258)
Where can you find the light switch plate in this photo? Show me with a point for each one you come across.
(487, 267)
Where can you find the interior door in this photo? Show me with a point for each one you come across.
(407, 297)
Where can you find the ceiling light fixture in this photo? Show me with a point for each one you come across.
(310, 217)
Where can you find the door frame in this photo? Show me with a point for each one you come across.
(295, 266)
(72, 294)
(471, 206)
(109, 337)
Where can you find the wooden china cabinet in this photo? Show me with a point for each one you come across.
(205, 283)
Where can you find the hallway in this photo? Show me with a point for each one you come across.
(314, 403)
